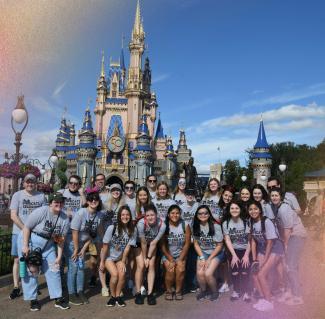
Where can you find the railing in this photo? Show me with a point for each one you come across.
(5, 255)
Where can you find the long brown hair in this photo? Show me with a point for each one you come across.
(157, 192)
(137, 201)
(120, 226)
(208, 192)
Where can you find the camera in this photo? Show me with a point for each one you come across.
(34, 257)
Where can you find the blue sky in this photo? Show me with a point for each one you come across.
(216, 65)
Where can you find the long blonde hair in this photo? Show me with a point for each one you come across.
(108, 204)
(208, 192)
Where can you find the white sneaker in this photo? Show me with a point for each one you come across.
(285, 297)
(246, 297)
(258, 303)
(295, 301)
(265, 306)
(105, 292)
(234, 296)
(143, 291)
(224, 288)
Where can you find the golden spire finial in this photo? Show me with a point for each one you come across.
(102, 72)
(88, 104)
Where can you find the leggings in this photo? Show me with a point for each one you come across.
(239, 274)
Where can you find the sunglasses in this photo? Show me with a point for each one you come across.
(74, 183)
(152, 181)
(129, 188)
(93, 200)
(203, 213)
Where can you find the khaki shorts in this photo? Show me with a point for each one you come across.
(92, 250)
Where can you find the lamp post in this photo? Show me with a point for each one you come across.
(283, 168)
(53, 159)
(36, 161)
(19, 116)
(244, 178)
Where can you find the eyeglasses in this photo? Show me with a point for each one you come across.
(203, 213)
(182, 184)
(74, 183)
(152, 180)
(129, 188)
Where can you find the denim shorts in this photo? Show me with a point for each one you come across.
(277, 248)
(220, 257)
(14, 245)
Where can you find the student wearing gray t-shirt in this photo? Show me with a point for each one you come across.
(267, 252)
(236, 235)
(86, 227)
(117, 242)
(45, 229)
(293, 234)
(175, 246)
(22, 204)
(162, 201)
(209, 247)
(129, 189)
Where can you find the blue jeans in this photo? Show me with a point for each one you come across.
(53, 279)
(76, 276)
(294, 250)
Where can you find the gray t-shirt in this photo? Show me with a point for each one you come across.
(72, 201)
(85, 222)
(150, 233)
(188, 212)
(176, 238)
(287, 218)
(152, 194)
(259, 236)
(131, 203)
(24, 204)
(237, 232)
(212, 203)
(42, 221)
(206, 242)
(292, 201)
(117, 243)
(180, 199)
(162, 206)
(110, 216)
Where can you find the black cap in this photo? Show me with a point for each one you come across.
(58, 197)
(190, 191)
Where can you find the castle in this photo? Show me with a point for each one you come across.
(124, 143)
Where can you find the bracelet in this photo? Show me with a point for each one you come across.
(201, 258)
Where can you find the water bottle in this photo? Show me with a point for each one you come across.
(22, 267)
(81, 263)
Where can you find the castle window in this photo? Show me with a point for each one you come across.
(114, 89)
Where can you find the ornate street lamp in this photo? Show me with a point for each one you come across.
(283, 168)
(53, 160)
(244, 178)
(19, 116)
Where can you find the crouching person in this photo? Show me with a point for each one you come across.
(45, 228)
(117, 243)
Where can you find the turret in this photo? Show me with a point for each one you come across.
(146, 77)
(183, 153)
(262, 158)
(171, 165)
(160, 141)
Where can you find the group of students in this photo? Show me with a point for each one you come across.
(150, 239)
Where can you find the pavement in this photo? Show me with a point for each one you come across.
(313, 285)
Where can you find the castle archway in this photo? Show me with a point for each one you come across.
(113, 179)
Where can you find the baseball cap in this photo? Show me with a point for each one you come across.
(190, 191)
(115, 186)
(30, 177)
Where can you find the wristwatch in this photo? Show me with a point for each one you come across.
(201, 258)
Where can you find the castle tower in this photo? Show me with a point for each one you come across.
(100, 101)
(143, 153)
(183, 153)
(134, 92)
(86, 151)
(171, 164)
(62, 139)
(262, 159)
(160, 141)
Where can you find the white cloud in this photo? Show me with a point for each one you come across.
(57, 91)
(160, 78)
(42, 105)
(287, 97)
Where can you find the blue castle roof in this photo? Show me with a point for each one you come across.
(87, 124)
(116, 121)
(143, 128)
(261, 139)
(122, 59)
(160, 130)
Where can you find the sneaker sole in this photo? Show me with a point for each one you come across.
(61, 307)
(75, 303)
(120, 305)
(110, 305)
(33, 310)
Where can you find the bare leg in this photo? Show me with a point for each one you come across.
(209, 275)
(15, 272)
(138, 277)
(121, 280)
(200, 276)
(151, 274)
(112, 269)
(169, 278)
(180, 275)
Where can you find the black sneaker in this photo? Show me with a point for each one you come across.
(74, 299)
(151, 299)
(61, 303)
(120, 302)
(214, 296)
(15, 293)
(139, 300)
(92, 281)
(111, 302)
(39, 292)
(83, 298)
(35, 305)
(201, 295)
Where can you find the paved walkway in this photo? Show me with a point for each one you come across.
(313, 285)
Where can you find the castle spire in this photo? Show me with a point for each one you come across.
(137, 31)
(122, 63)
(143, 128)
(160, 129)
(102, 72)
(261, 138)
